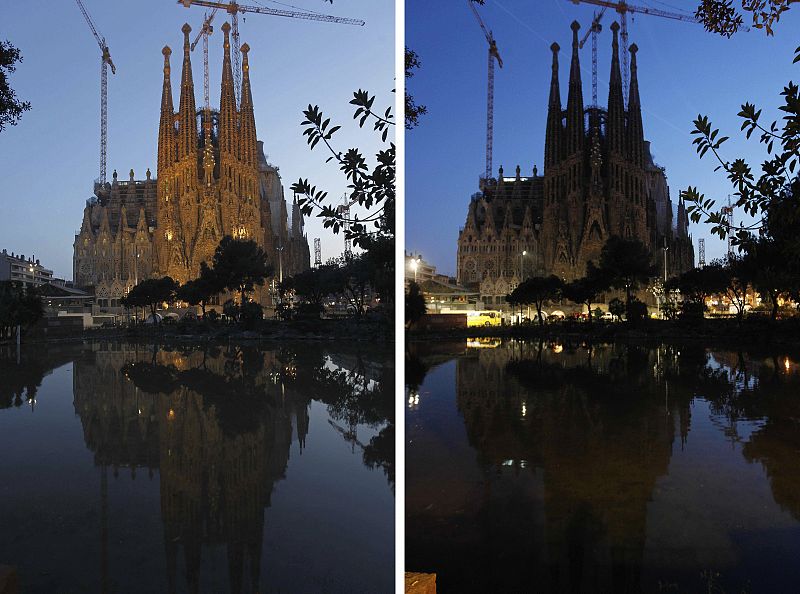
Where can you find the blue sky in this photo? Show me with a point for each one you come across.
(49, 160)
(683, 71)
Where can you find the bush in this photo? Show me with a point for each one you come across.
(230, 310)
(692, 310)
(251, 313)
(616, 307)
(637, 311)
(309, 311)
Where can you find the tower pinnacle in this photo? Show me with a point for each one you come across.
(552, 143)
(575, 130)
(187, 126)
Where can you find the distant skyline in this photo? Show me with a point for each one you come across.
(683, 71)
(51, 158)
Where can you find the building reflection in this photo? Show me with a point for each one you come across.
(593, 428)
(592, 425)
(217, 424)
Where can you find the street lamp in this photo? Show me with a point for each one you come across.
(415, 265)
(522, 265)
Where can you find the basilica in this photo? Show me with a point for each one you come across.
(213, 180)
(599, 180)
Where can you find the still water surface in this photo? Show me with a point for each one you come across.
(134, 468)
(559, 468)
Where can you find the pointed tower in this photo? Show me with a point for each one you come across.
(248, 149)
(123, 222)
(167, 149)
(552, 142)
(575, 129)
(227, 103)
(187, 114)
(615, 124)
(635, 131)
(297, 220)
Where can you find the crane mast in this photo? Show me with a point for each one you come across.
(105, 62)
(205, 31)
(623, 8)
(595, 28)
(494, 54)
(233, 9)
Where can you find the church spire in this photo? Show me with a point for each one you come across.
(297, 219)
(615, 126)
(575, 130)
(635, 131)
(227, 102)
(187, 120)
(166, 126)
(247, 127)
(552, 143)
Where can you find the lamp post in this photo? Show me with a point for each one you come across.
(522, 265)
(415, 265)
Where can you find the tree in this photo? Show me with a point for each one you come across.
(11, 108)
(625, 264)
(352, 280)
(739, 274)
(315, 284)
(240, 265)
(616, 308)
(151, 292)
(415, 304)
(18, 307)
(413, 111)
(198, 291)
(379, 256)
(770, 273)
(697, 284)
(372, 189)
(584, 291)
(756, 197)
(720, 16)
(535, 291)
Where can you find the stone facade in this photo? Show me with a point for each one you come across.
(599, 180)
(213, 180)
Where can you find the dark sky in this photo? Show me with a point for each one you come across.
(49, 161)
(683, 71)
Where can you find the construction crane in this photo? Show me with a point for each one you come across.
(623, 8)
(343, 211)
(493, 55)
(727, 212)
(105, 62)
(204, 32)
(317, 253)
(233, 9)
(702, 255)
(593, 30)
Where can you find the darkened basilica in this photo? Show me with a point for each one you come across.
(599, 180)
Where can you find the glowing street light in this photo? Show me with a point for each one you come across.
(415, 265)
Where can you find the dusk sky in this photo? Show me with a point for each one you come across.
(51, 157)
(683, 71)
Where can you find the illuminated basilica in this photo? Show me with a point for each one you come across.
(213, 180)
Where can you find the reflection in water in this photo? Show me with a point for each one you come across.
(566, 448)
(216, 425)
